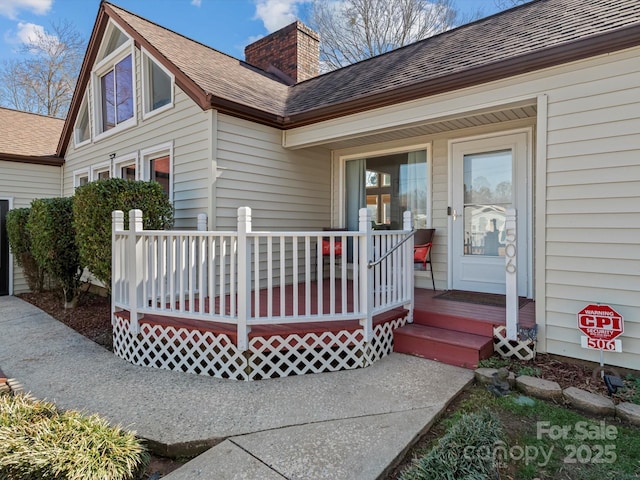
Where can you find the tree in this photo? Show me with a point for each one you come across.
(504, 4)
(43, 79)
(353, 30)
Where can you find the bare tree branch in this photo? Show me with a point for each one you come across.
(353, 30)
(43, 80)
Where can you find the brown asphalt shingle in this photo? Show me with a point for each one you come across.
(215, 72)
(28, 134)
(530, 28)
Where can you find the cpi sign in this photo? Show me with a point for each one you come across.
(601, 324)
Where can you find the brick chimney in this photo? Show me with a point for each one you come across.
(293, 50)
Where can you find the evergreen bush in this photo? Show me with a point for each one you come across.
(93, 205)
(53, 243)
(20, 243)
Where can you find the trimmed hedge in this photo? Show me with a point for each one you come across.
(53, 243)
(20, 243)
(38, 441)
(93, 204)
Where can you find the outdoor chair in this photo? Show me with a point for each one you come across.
(326, 246)
(422, 243)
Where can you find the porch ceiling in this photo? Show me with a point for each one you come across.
(440, 125)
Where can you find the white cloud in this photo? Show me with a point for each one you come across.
(196, 3)
(10, 8)
(276, 14)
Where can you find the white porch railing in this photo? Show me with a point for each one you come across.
(252, 278)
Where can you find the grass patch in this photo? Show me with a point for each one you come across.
(542, 440)
(463, 452)
(38, 441)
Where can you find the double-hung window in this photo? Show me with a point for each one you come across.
(158, 166)
(116, 94)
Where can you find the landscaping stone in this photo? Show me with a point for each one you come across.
(629, 412)
(484, 376)
(537, 387)
(589, 402)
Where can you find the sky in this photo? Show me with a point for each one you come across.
(226, 25)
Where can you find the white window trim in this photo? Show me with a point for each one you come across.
(145, 86)
(154, 152)
(99, 168)
(10, 199)
(356, 153)
(100, 69)
(77, 174)
(123, 161)
(85, 101)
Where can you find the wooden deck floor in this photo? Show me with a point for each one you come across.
(425, 301)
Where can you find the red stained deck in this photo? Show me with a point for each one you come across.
(435, 312)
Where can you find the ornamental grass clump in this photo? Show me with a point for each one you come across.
(38, 441)
(465, 452)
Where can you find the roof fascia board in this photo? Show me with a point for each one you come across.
(83, 79)
(245, 111)
(12, 157)
(577, 50)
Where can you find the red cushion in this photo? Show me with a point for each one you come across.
(337, 247)
(420, 252)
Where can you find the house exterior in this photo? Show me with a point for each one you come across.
(29, 169)
(534, 109)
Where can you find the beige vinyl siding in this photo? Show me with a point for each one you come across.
(286, 190)
(24, 182)
(186, 125)
(593, 205)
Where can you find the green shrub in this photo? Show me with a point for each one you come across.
(465, 452)
(53, 243)
(20, 242)
(93, 204)
(37, 441)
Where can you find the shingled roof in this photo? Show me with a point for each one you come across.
(28, 137)
(536, 35)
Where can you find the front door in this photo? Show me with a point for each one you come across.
(489, 176)
(4, 248)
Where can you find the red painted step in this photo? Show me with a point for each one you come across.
(446, 346)
(453, 322)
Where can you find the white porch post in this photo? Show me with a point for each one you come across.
(204, 263)
(134, 269)
(244, 277)
(511, 271)
(117, 226)
(366, 273)
(407, 262)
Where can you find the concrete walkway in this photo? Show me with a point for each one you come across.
(352, 424)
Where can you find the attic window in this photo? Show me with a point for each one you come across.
(114, 38)
(158, 85)
(82, 132)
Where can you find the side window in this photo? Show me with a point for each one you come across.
(101, 171)
(158, 166)
(80, 178)
(82, 132)
(157, 86)
(126, 167)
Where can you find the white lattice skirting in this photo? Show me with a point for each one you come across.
(215, 355)
(521, 349)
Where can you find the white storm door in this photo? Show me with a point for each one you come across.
(489, 175)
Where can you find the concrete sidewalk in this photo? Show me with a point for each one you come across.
(344, 425)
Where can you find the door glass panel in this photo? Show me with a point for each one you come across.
(487, 195)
